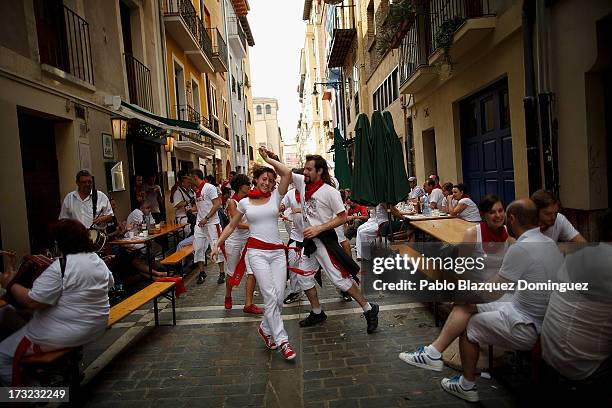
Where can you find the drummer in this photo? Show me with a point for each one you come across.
(77, 205)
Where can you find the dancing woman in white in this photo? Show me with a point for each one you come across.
(264, 252)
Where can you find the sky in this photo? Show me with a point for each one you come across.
(278, 31)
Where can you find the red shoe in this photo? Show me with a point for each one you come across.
(228, 302)
(287, 351)
(267, 339)
(252, 309)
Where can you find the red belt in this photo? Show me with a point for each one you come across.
(254, 243)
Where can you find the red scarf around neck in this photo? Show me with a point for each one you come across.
(236, 197)
(490, 237)
(257, 193)
(199, 189)
(311, 188)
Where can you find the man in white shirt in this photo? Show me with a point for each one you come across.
(513, 324)
(182, 199)
(416, 191)
(77, 205)
(207, 229)
(323, 211)
(435, 195)
(552, 224)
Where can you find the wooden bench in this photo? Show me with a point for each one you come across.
(73, 355)
(176, 259)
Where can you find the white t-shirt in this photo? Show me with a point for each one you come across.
(181, 195)
(240, 235)
(322, 207)
(469, 213)
(533, 258)
(297, 228)
(436, 196)
(562, 230)
(416, 192)
(136, 217)
(82, 210)
(204, 203)
(79, 303)
(263, 219)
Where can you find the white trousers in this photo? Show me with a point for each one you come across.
(293, 259)
(233, 250)
(321, 259)
(203, 237)
(366, 234)
(270, 270)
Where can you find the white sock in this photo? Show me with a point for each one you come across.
(318, 310)
(465, 384)
(367, 307)
(432, 352)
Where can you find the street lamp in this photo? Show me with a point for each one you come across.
(314, 86)
(169, 146)
(119, 127)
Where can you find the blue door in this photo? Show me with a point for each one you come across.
(486, 143)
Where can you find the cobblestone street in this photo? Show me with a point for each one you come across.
(215, 358)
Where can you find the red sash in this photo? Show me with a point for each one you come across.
(254, 243)
(20, 353)
(311, 188)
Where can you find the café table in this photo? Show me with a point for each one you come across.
(423, 217)
(148, 240)
(450, 230)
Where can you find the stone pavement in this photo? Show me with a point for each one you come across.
(215, 358)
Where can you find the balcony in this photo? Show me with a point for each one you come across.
(139, 83)
(343, 34)
(419, 51)
(64, 43)
(186, 28)
(219, 50)
(188, 113)
(237, 38)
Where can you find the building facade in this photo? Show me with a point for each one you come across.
(267, 131)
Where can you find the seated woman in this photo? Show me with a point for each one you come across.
(71, 303)
(461, 205)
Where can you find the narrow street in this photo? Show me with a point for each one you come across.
(214, 357)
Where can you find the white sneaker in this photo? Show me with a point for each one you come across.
(452, 386)
(420, 359)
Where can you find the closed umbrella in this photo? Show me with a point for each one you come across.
(341, 167)
(381, 159)
(399, 186)
(362, 190)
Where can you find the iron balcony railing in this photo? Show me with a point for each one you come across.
(63, 40)
(442, 11)
(342, 19)
(219, 47)
(236, 29)
(188, 113)
(193, 22)
(414, 49)
(139, 82)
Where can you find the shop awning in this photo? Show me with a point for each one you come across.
(136, 112)
(194, 147)
(219, 141)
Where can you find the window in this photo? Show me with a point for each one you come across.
(387, 92)
(224, 111)
(258, 109)
(268, 110)
(213, 101)
(249, 116)
(250, 152)
(243, 146)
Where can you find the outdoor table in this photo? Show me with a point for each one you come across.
(147, 241)
(423, 217)
(450, 230)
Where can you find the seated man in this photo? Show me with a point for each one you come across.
(357, 215)
(368, 231)
(577, 330)
(70, 302)
(514, 324)
(553, 224)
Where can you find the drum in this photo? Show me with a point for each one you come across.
(31, 267)
(98, 238)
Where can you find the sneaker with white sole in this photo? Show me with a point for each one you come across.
(420, 359)
(453, 386)
(287, 351)
(267, 339)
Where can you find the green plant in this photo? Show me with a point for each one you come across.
(444, 36)
(399, 12)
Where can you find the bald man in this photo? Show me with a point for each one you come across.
(514, 323)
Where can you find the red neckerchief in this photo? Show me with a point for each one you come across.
(490, 237)
(256, 193)
(236, 197)
(311, 188)
(298, 198)
(199, 189)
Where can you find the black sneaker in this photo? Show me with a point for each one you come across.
(292, 297)
(221, 279)
(201, 278)
(313, 319)
(371, 317)
(346, 297)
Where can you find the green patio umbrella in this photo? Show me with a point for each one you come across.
(399, 181)
(362, 190)
(341, 169)
(381, 159)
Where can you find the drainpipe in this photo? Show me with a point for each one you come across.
(530, 103)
